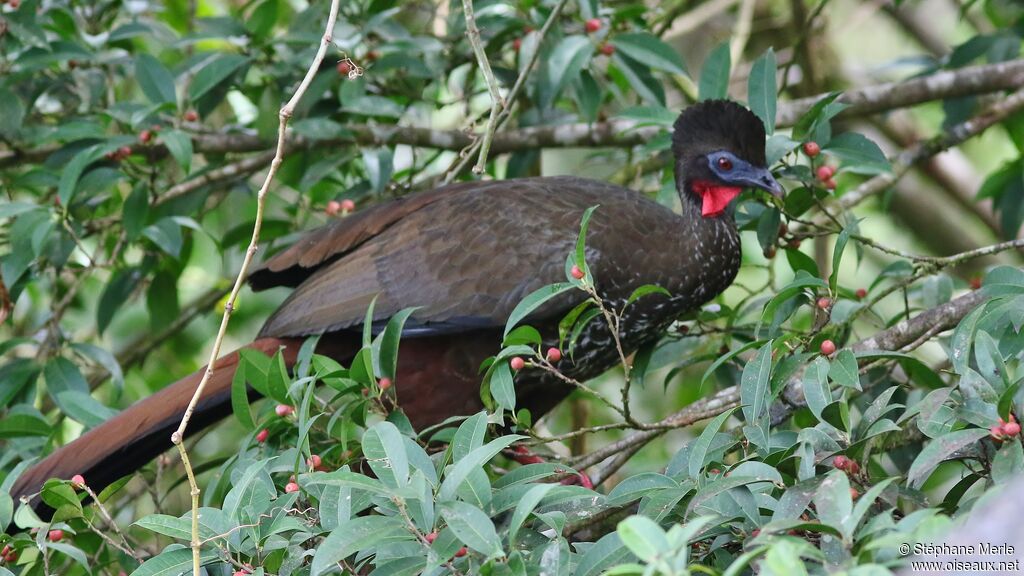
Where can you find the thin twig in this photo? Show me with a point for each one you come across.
(284, 115)
(473, 33)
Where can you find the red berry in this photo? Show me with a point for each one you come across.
(812, 149)
(55, 535)
(824, 303)
(830, 184)
(14, 3)
(554, 355)
(283, 410)
(975, 283)
(291, 487)
(462, 552)
(1011, 429)
(430, 537)
(385, 383)
(348, 205)
(828, 347)
(344, 68)
(755, 532)
(372, 55)
(517, 363)
(996, 432)
(190, 116)
(714, 471)
(78, 481)
(854, 494)
(825, 173)
(854, 467)
(314, 461)
(861, 293)
(770, 252)
(262, 435)
(124, 152)
(794, 243)
(841, 462)
(333, 207)
(607, 49)
(576, 272)
(783, 229)
(593, 25)
(517, 44)
(145, 136)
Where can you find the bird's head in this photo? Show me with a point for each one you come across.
(719, 150)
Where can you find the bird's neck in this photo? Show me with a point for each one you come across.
(710, 240)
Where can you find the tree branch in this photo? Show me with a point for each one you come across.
(940, 318)
(966, 81)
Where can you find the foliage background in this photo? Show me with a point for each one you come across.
(133, 137)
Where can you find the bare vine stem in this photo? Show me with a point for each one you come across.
(284, 115)
(473, 33)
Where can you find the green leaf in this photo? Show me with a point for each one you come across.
(240, 398)
(937, 450)
(603, 554)
(565, 62)
(502, 387)
(379, 164)
(18, 425)
(362, 534)
(155, 79)
(754, 392)
(473, 527)
(699, 452)
(643, 537)
(833, 502)
(116, 293)
(218, 70)
(473, 461)
(173, 561)
(844, 370)
(533, 301)
(858, 153)
(650, 50)
(384, 449)
(761, 90)
(527, 503)
(837, 258)
(179, 145)
(389, 342)
(714, 75)
(262, 21)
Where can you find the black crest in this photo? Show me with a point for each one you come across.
(719, 125)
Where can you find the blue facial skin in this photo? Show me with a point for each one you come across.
(734, 171)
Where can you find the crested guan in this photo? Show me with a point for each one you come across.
(466, 254)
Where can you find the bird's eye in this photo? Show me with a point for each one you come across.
(725, 163)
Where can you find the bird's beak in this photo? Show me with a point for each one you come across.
(754, 177)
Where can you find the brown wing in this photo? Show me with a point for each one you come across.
(465, 258)
(293, 265)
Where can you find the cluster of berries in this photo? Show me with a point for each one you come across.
(824, 172)
(1005, 430)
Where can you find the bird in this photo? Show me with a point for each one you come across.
(464, 255)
